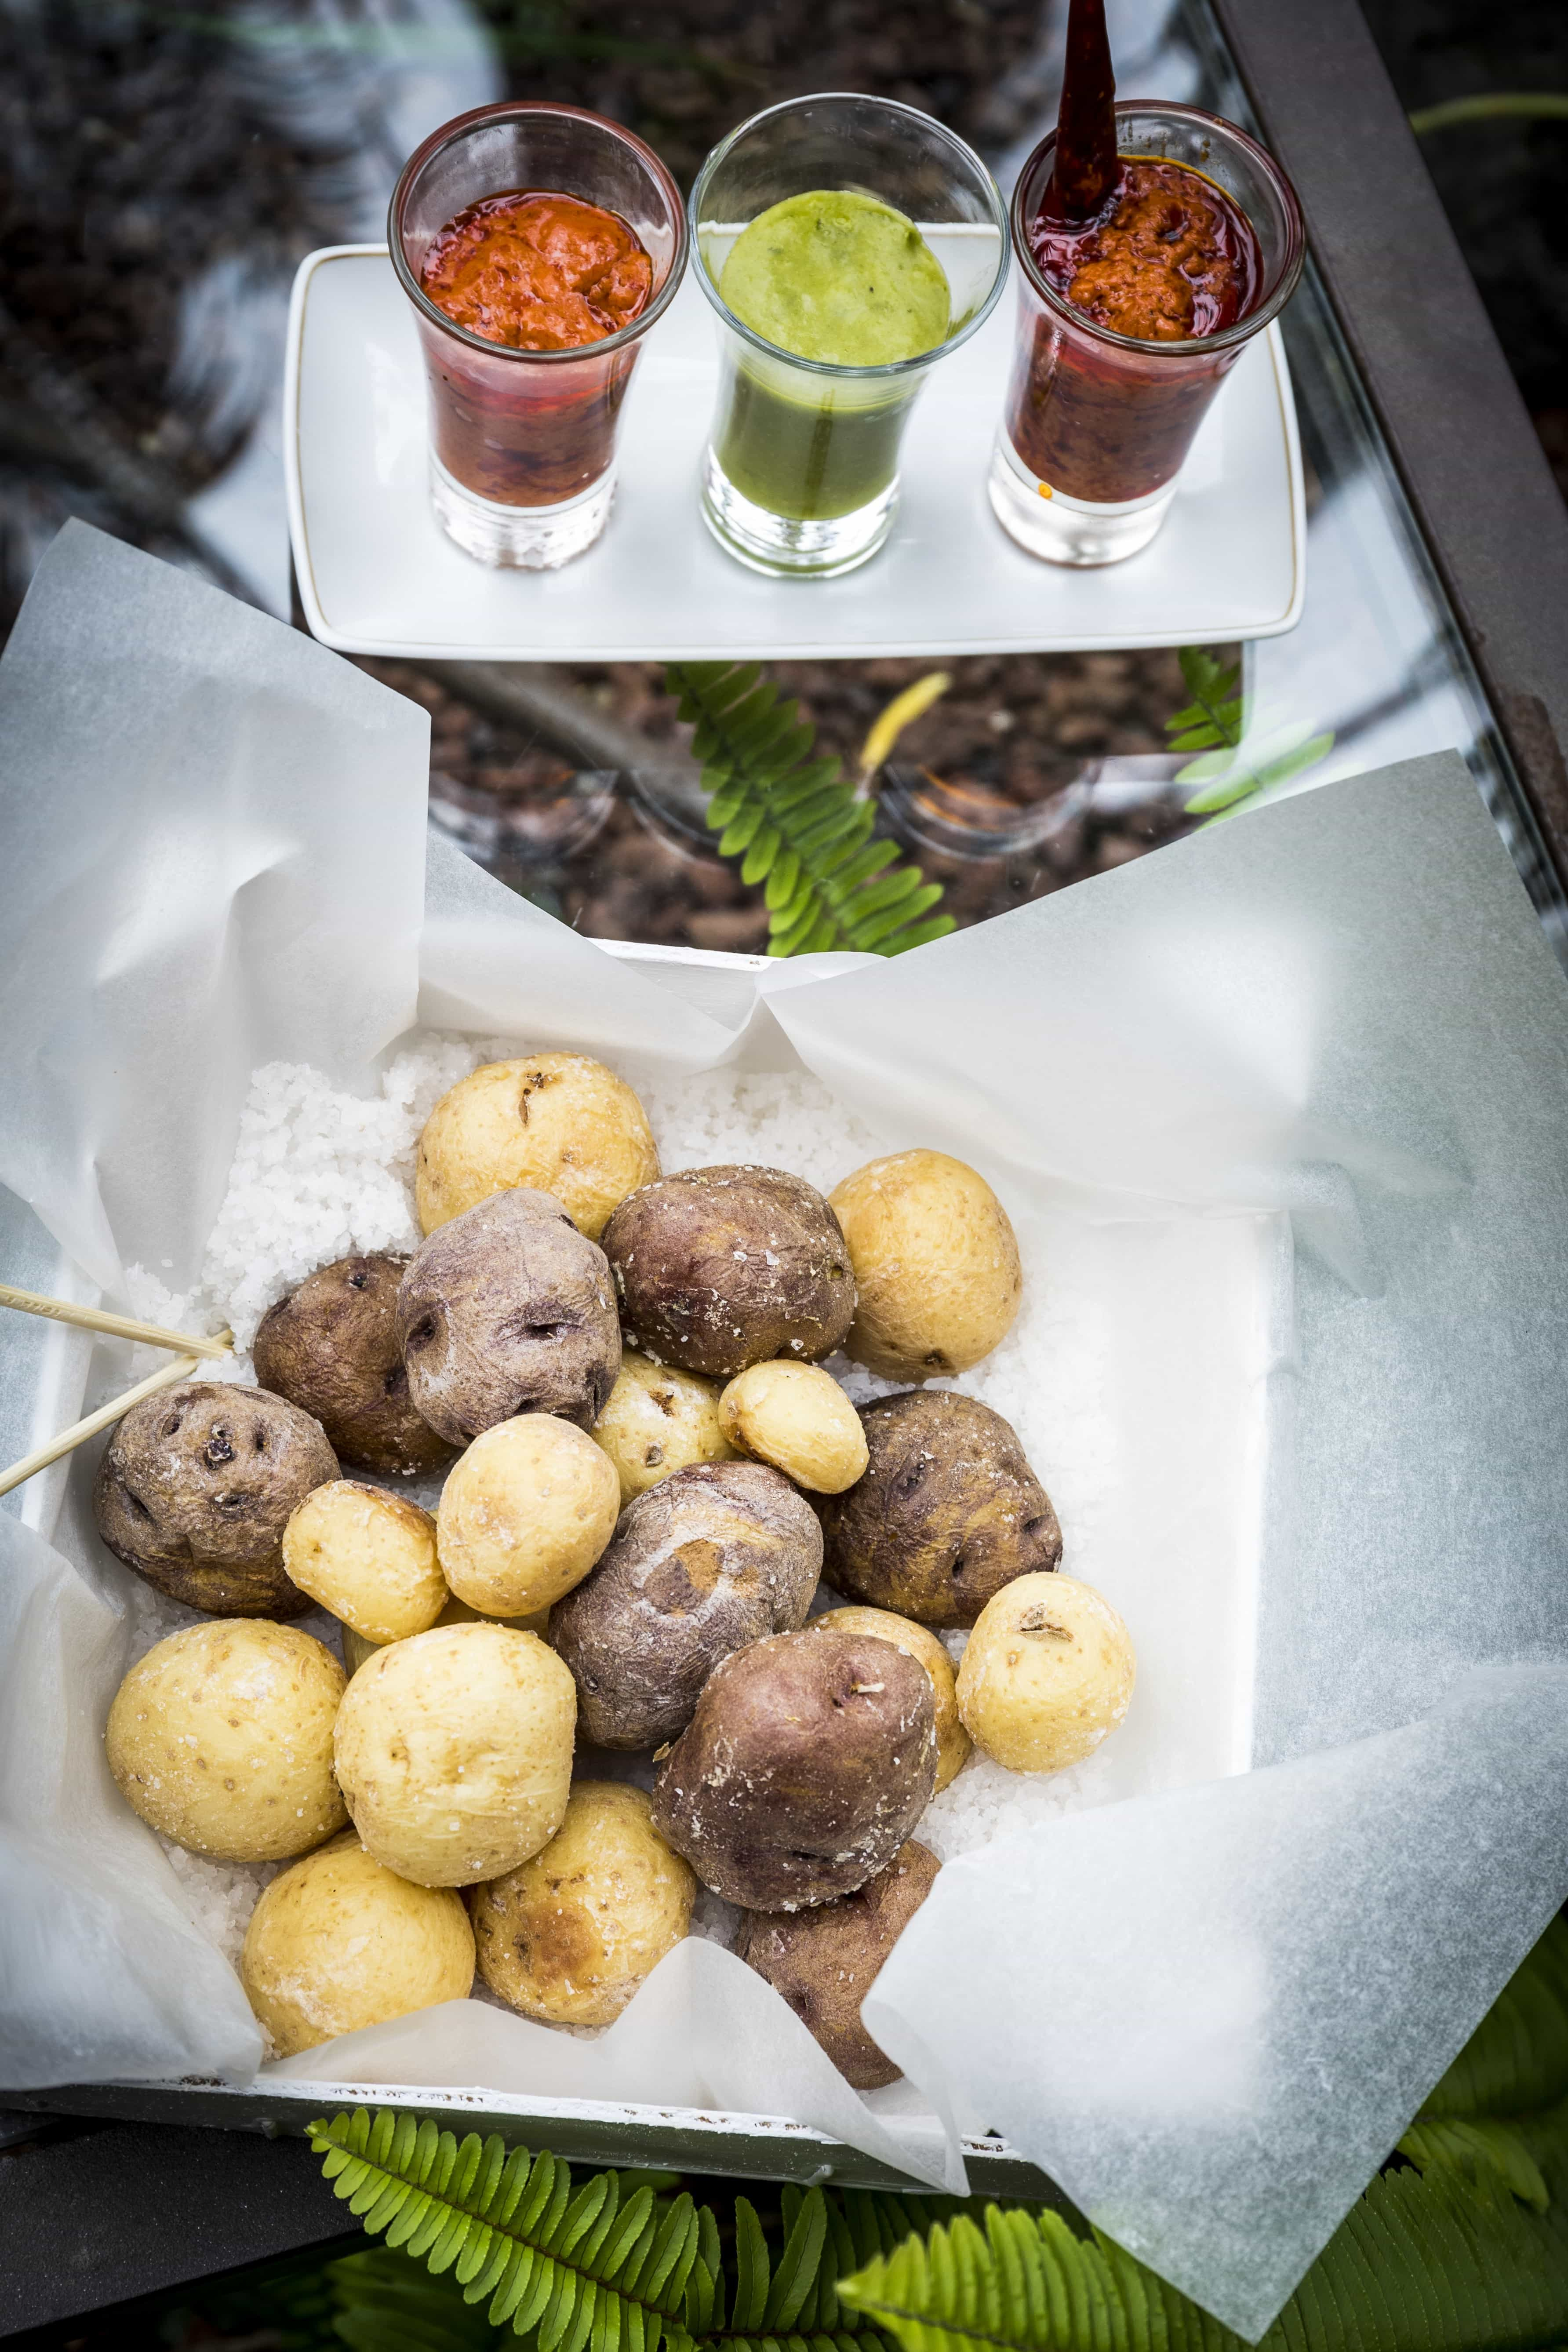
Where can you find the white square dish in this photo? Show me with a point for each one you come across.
(377, 575)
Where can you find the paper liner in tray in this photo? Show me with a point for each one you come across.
(1208, 2009)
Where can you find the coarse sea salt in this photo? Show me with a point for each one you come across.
(319, 1173)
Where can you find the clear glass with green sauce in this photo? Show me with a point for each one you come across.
(846, 245)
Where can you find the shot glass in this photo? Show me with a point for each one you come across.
(801, 473)
(522, 444)
(1097, 423)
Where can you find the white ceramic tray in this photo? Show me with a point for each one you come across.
(377, 575)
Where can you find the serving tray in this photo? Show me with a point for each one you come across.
(377, 575)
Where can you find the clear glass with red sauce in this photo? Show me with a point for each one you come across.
(538, 245)
(1122, 340)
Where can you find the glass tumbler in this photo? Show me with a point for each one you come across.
(522, 444)
(801, 474)
(1097, 423)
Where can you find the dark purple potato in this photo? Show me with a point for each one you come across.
(331, 1346)
(713, 1556)
(808, 1762)
(508, 1309)
(196, 1488)
(721, 1268)
(825, 1961)
(947, 1511)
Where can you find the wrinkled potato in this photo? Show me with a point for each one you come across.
(658, 1421)
(570, 1935)
(196, 1487)
(948, 1511)
(367, 1556)
(717, 1268)
(917, 1642)
(936, 1265)
(339, 1941)
(221, 1739)
(508, 1309)
(808, 1761)
(331, 1346)
(556, 1123)
(825, 1961)
(454, 1752)
(357, 1649)
(1046, 1675)
(702, 1563)
(798, 1417)
(525, 1514)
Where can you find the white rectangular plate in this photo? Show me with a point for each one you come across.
(378, 576)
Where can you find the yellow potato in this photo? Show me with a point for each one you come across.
(221, 1737)
(357, 1649)
(798, 1417)
(1048, 1671)
(935, 1262)
(525, 1514)
(339, 1942)
(917, 1642)
(367, 1556)
(570, 1935)
(558, 1122)
(657, 1421)
(454, 1751)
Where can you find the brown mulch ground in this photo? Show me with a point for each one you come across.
(1009, 734)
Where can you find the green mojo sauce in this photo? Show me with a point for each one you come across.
(838, 277)
(846, 281)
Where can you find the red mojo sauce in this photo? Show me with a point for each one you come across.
(1147, 248)
(1169, 258)
(538, 271)
(532, 270)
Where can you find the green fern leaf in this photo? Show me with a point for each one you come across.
(384, 2302)
(1486, 2152)
(1516, 2062)
(793, 821)
(1215, 715)
(573, 2269)
(1428, 2260)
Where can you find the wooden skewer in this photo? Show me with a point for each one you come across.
(80, 1431)
(119, 1326)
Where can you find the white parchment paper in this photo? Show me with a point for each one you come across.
(1209, 2009)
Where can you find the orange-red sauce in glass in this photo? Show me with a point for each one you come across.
(1170, 260)
(538, 271)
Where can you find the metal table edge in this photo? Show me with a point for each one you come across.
(679, 2139)
(1457, 428)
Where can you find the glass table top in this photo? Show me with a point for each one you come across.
(184, 162)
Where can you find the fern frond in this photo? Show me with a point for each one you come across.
(1516, 2062)
(795, 822)
(383, 2300)
(1492, 2153)
(1227, 771)
(575, 2269)
(1425, 2262)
